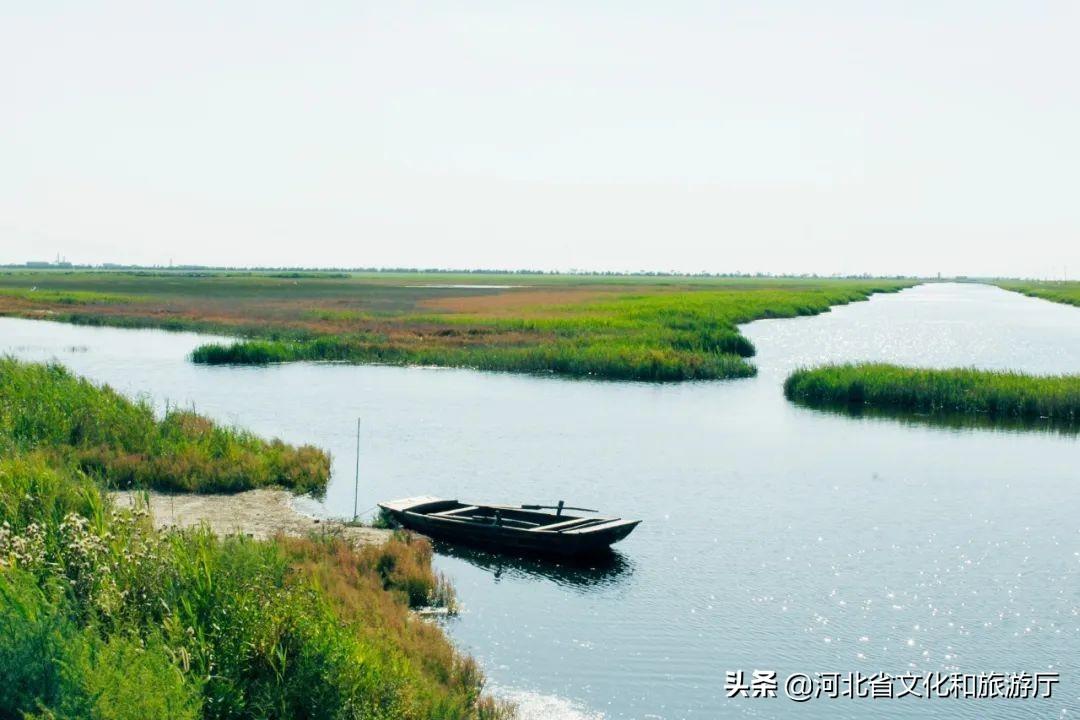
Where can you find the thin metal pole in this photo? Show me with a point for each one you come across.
(356, 484)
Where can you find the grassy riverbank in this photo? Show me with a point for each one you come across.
(121, 443)
(989, 394)
(1059, 292)
(104, 617)
(617, 327)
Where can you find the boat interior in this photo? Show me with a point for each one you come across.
(509, 517)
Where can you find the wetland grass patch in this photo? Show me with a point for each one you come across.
(101, 616)
(104, 617)
(1064, 292)
(994, 395)
(666, 336)
(122, 443)
(653, 328)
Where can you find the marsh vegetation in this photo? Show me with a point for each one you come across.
(122, 444)
(1064, 292)
(994, 395)
(102, 616)
(617, 327)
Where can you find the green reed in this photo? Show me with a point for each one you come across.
(121, 441)
(1064, 292)
(659, 337)
(640, 327)
(988, 393)
(103, 617)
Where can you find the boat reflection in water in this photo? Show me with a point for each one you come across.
(946, 420)
(598, 571)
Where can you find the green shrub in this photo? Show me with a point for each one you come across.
(32, 640)
(124, 678)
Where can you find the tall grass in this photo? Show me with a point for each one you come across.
(121, 441)
(618, 327)
(615, 360)
(993, 394)
(1054, 291)
(659, 337)
(102, 616)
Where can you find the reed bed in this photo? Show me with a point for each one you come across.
(122, 443)
(1064, 292)
(612, 361)
(995, 395)
(103, 617)
(653, 328)
(654, 337)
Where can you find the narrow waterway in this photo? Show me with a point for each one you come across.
(774, 537)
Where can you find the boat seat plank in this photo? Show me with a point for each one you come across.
(589, 522)
(456, 511)
(563, 525)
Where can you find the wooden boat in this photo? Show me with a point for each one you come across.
(510, 528)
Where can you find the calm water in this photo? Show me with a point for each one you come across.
(775, 537)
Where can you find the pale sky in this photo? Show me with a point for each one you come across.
(914, 137)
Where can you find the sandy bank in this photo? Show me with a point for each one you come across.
(258, 513)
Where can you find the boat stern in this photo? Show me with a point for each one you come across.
(409, 503)
(419, 504)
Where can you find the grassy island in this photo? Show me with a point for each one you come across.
(991, 394)
(616, 327)
(104, 617)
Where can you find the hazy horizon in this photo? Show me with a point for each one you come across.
(840, 138)
(51, 264)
